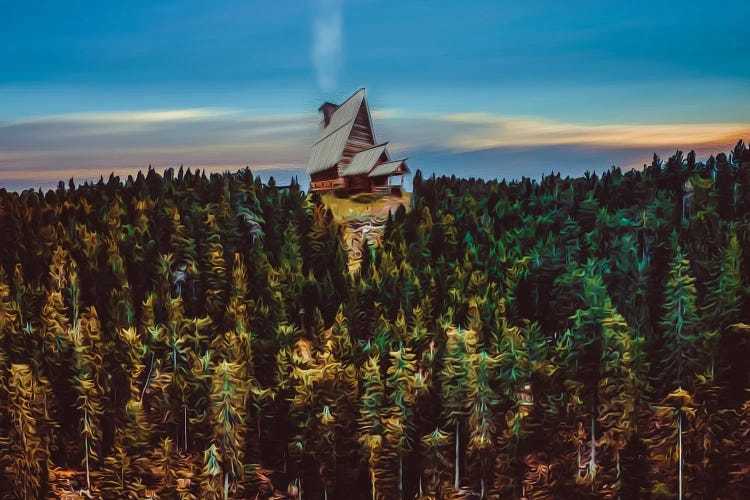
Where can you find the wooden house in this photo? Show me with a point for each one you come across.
(346, 156)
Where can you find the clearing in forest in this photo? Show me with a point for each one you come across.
(363, 217)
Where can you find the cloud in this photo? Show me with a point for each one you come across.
(43, 150)
(327, 52)
(139, 117)
(483, 131)
(150, 129)
(40, 151)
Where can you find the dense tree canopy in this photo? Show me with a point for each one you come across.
(199, 336)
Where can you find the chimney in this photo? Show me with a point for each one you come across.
(327, 109)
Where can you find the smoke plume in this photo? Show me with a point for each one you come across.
(327, 42)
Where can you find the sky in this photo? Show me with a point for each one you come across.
(494, 89)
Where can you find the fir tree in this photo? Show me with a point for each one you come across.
(228, 396)
(30, 433)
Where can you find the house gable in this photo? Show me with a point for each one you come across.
(346, 148)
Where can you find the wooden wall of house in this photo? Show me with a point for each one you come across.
(361, 138)
(323, 175)
(359, 183)
(327, 180)
(381, 180)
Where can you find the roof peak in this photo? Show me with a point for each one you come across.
(362, 90)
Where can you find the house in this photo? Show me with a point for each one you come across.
(346, 156)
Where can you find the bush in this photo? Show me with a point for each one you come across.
(341, 193)
(365, 198)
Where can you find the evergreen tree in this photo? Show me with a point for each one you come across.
(91, 385)
(401, 384)
(459, 347)
(681, 355)
(30, 434)
(228, 396)
(483, 430)
(189, 335)
(370, 423)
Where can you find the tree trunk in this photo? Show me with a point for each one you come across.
(679, 454)
(458, 437)
(148, 376)
(400, 475)
(186, 433)
(592, 463)
(86, 438)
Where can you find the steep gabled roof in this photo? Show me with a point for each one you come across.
(327, 152)
(332, 137)
(363, 161)
(345, 113)
(390, 168)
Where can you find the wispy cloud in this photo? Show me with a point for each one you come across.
(182, 128)
(42, 150)
(483, 131)
(139, 117)
(466, 132)
(328, 35)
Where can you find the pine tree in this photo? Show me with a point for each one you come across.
(515, 376)
(176, 346)
(164, 460)
(738, 454)
(55, 319)
(602, 348)
(670, 423)
(133, 438)
(291, 277)
(240, 346)
(214, 274)
(118, 476)
(213, 479)
(10, 327)
(482, 428)
(617, 394)
(681, 356)
(460, 345)
(724, 298)
(228, 398)
(370, 424)
(90, 381)
(402, 395)
(30, 434)
(435, 453)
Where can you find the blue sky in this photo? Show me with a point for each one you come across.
(484, 88)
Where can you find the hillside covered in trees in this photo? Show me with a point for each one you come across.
(185, 337)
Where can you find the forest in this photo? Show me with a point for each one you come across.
(193, 336)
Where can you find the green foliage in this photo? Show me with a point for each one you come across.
(201, 336)
(680, 354)
(228, 396)
(30, 431)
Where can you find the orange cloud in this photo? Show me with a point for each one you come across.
(483, 131)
